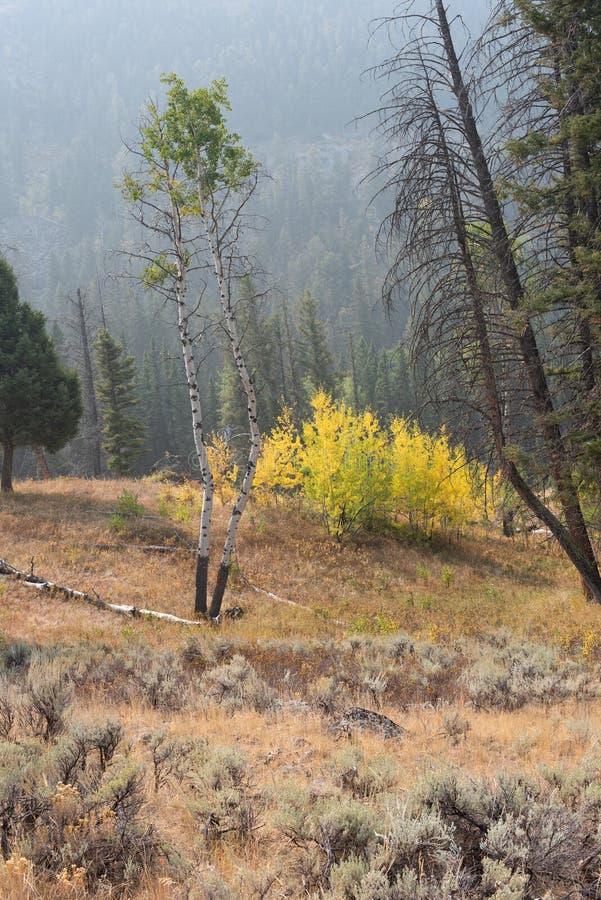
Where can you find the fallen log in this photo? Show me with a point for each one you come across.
(132, 611)
(279, 599)
(93, 599)
(145, 548)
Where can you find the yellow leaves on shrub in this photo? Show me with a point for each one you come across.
(183, 501)
(344, 460)
(432, 483)
(180, 501)
(223, 467)
(359, 474)
(279, 468)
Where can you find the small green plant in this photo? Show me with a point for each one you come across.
(422, 572)
(129, 505)
(117, 523)
(426, 602)
(320, 612)
(446, 576)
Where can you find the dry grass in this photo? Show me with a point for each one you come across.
(443, 588)
(439, 591)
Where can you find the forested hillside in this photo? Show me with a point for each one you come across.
(75, 78)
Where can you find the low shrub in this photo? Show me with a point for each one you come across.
(512, 673)
(236, 685)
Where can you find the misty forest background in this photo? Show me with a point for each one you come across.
(74, 80)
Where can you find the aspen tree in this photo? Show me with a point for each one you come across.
(190, 193)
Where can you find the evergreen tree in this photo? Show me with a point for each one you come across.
(557, 180)
(40, 401)
(176, 407)
(367, 374)
(316, 359)
(123, 432)
(232, 407)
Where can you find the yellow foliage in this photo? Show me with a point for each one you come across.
(591, 642)
(358, 474)
(71, 881)
(16, 878)
(223, 467)
(345, 464)
(279, 467)
(432, 483)
(180, 501)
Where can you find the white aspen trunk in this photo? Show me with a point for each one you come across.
(206, 477)
(255, 436)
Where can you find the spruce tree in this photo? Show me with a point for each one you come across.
(316, 358)
(117, 392)
(40, 401)
(557, 181)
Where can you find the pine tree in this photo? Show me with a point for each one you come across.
(40, 401)
(123, 432)
(557, 180)
(316, 358)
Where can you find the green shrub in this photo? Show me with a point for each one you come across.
(129, 505)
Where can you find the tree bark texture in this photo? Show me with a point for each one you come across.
(43, 469)
(219, 591)
(206, 477)
(251, 399)
(202, 579)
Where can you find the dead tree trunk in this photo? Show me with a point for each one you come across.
(231, 327)
(206, 477)
(43, 469)
(574, 539)
(88, 379)
(7, 467)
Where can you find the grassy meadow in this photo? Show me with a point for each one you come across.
(141, 758)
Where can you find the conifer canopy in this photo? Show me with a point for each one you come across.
(40, 401)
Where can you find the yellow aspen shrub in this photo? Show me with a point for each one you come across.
(279, 466)
(433, 484)
(345, 462)
(223, 467)
(180, 501)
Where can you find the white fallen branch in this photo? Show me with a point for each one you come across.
(279, 599)
(71, 594)
(123, 609)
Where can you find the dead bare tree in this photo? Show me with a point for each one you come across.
(82, 329)
(452, 243)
